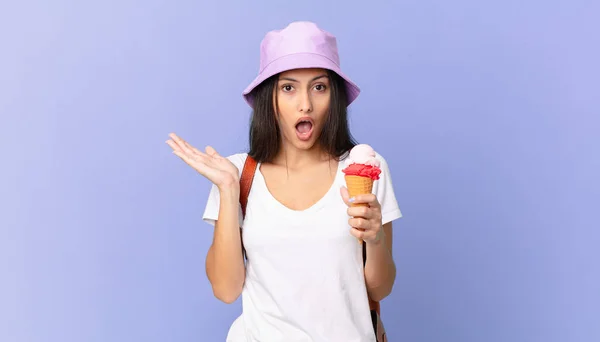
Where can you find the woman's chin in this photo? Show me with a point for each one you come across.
(301, 144)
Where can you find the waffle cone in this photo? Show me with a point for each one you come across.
(358, 185)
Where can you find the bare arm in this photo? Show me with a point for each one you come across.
(224, 261)
(380, 270)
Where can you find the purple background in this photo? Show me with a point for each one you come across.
(487, 111)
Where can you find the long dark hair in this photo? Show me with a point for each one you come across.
(265, 136)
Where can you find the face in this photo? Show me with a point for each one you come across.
(303, 97)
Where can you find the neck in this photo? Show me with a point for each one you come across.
(294, 158)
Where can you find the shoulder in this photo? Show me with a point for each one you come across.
(385, 177)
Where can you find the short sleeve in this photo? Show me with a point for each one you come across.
(211, 210)
(384, 190)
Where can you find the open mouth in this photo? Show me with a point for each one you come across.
(304, 128)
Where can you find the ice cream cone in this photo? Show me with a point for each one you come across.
(358, 185)
(362, 169)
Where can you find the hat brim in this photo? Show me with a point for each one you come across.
(300, 61)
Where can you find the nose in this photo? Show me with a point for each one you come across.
(305, 103)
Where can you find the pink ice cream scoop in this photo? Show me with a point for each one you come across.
(362, 162)
(362, 154)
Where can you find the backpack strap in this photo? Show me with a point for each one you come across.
(246, 182)
(246, 179)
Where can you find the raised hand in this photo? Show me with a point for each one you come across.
(219, 170)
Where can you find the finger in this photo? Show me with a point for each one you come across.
(369, 199)
(365, 212)
(359, 222)
(211, 151)
(195, 150)
(189, 149)
(358, 233)
(365, 234)
(196, 164)
(181, 143)
(173, 145)
(185, 157)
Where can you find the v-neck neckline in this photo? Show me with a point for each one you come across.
(315, 206)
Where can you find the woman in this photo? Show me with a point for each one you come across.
(303, 279)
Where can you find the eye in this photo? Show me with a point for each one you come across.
(287, 88)
(320, 87)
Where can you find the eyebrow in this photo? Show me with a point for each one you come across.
(294, 80)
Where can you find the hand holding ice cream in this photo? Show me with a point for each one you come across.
(362, 169)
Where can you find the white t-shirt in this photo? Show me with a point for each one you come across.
(304, 274)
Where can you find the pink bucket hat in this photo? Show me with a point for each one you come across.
(301, 44)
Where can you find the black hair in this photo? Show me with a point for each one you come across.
(265, 136)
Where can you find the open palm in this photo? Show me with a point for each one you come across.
(219, 170)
